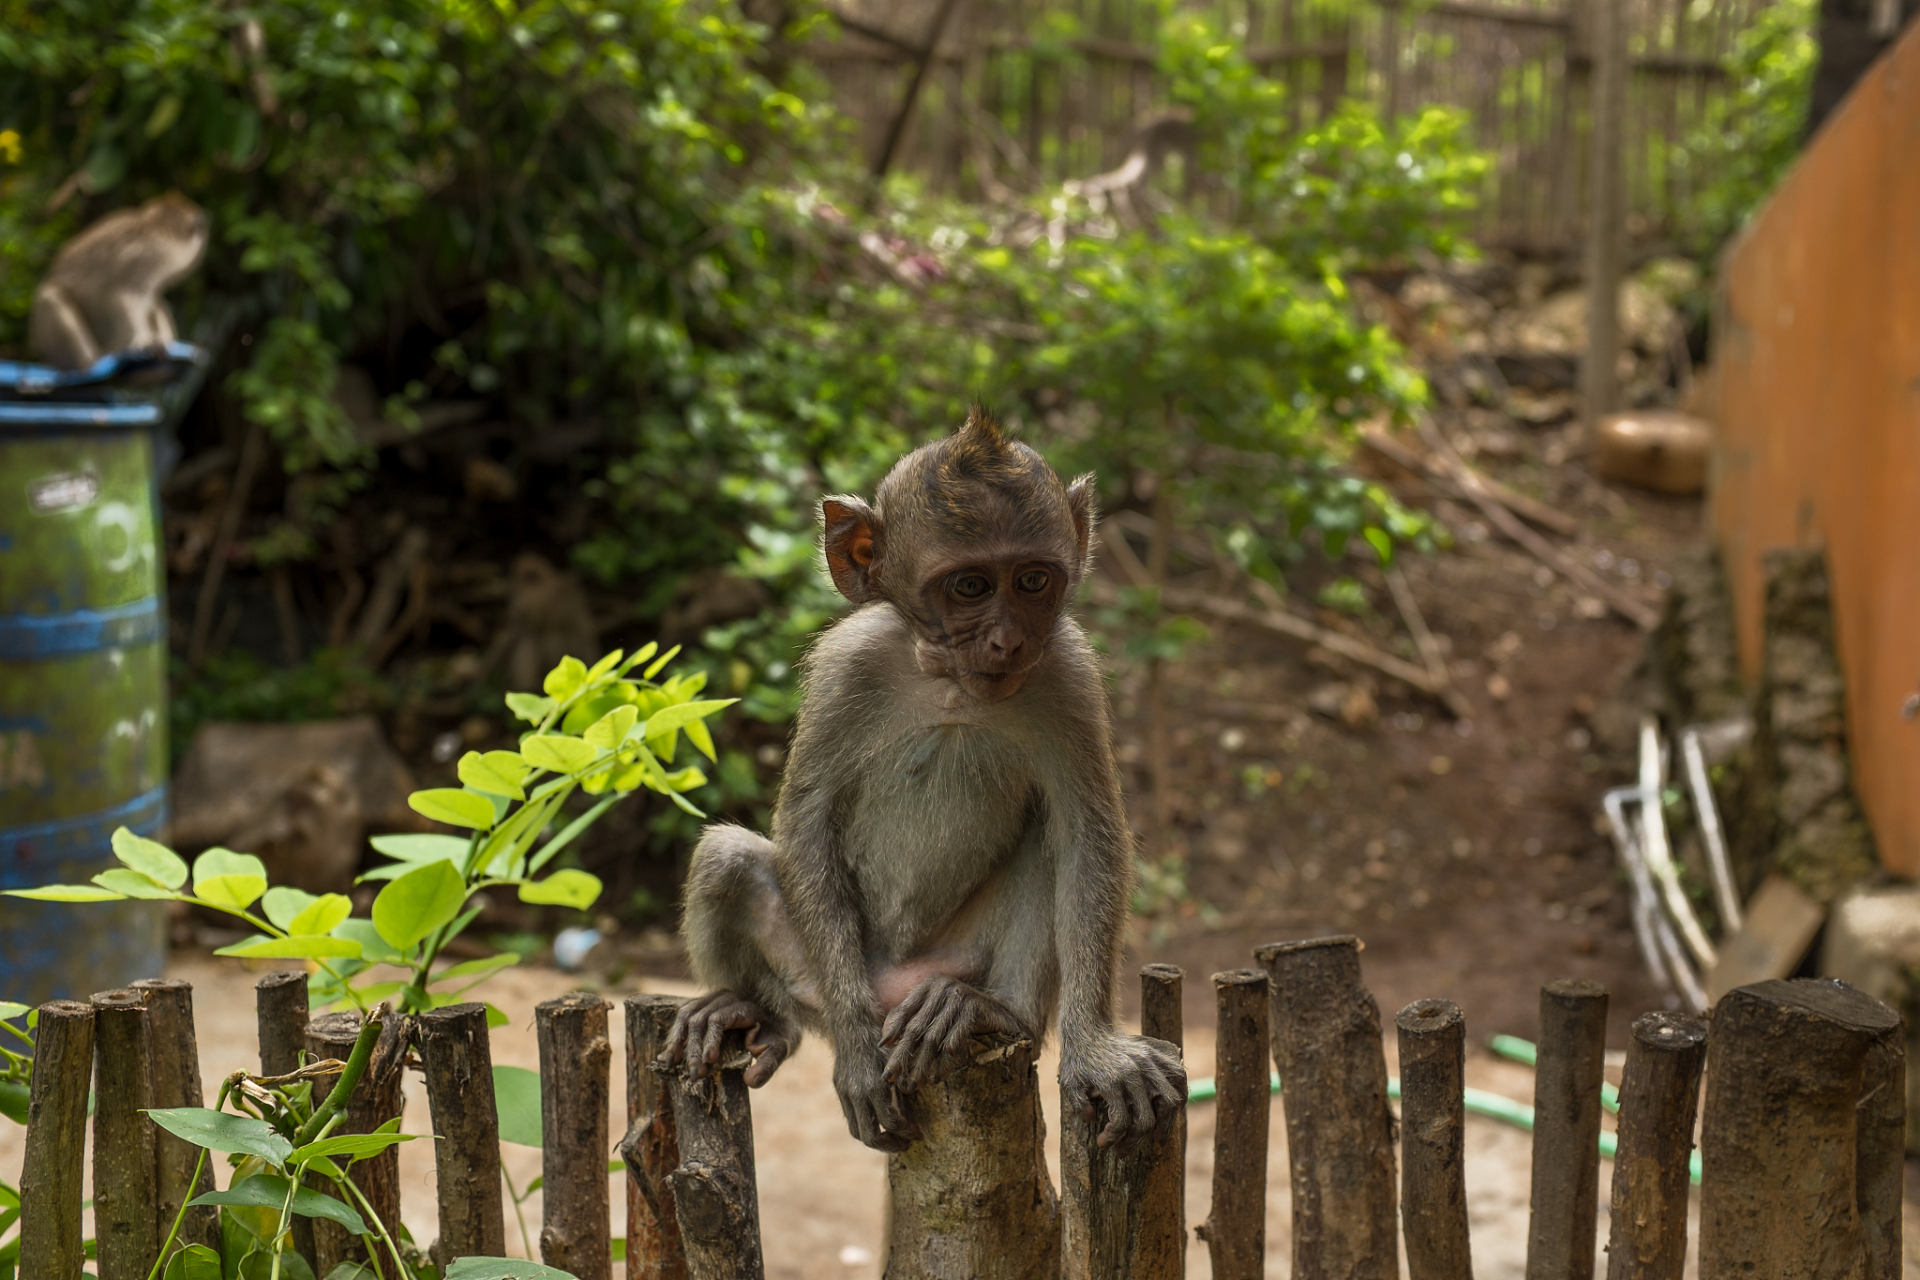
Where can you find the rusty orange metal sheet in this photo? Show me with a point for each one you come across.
(1817, 356)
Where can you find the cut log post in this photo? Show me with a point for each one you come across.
(1162, 1018)
(1566, 1130)
(1161, 993)
(651, 1148)
(177, 1083)
(1882, 1143)
(1333, 1068)
(53, 1173)
(376, 1100)
(1659, 1098)
(1779, 1139)
(576, 1059)
(1116, 1222)
(715, 1197)
(123, 1146)
(280, 1008)
(1236, 1225)
(1433, 1149)
(458, 1057)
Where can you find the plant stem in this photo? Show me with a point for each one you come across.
(280, 1241)
(380, 1228)
(513, 1194)
(173, 1233)
(343, 1090)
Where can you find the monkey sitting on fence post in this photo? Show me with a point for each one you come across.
(949, 854)
(105, 290)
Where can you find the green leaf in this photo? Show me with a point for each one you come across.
(66, 893)
(419, 902)
(195, 1262)
(640, 655)
(516, 1096)
(218, 1131)
(565, 680)
(569, 888)
(283, 904)
(8, 1010)
(260, 947)
(497, 1017)
(665, 721)
(606, 664)
(131, 884)
(454, 807)
(421, 848)
(476, 968)
(559, 753)
(373, 948)
(530, 707)
(610, 730)
(1381, 543)
(321, 916)
(501, 1269)
(351, 1270)
(269, 1191)
(660, 663)
(702, 739)
(357, 1145)
(229, 879)
(155, 861)
(15, 1096)
(498, 773)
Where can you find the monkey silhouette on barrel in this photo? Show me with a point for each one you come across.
(949, 854)
(105, 290)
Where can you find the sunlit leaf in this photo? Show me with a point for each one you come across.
(290, 948)
(66, 893)
(568, 888)
(283, 903)
(558, 753)
(229, 879)
(155, 861)
(322, 915)
(418, 903)
(530, 707)
(453, 807)
(498, 773)
(131, 884)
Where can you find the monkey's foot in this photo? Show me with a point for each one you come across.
(701, 1024)
(935, 1023)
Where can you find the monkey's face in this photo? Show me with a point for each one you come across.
(989, 619)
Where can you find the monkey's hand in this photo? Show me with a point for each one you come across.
(1142, 1081)
(872, 1110)
(700, 1025)
(935, 1022)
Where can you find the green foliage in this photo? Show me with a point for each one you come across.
(1752, 136)
(240, 686)
(606, 731)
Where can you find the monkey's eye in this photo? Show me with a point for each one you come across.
(1033, 581)
(971, 586)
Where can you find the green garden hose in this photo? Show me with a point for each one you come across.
(1480, 1102)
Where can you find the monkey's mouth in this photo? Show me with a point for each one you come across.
(992, 686)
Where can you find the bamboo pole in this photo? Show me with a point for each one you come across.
(575, 1061)
(123, 1146)
(177, 1083)
(715, 1197)
(1659, 1098)
(1779, 1139)
(1433, 1114)
(1327, 1047)
(1566, 1131)
(651, 1148)
(1236, 1226)
(53, 1172)
(280, 1008)
(376, 1100)
(457, 1055)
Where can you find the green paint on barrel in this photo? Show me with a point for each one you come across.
(83, 736)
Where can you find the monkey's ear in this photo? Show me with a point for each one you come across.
(1080, 503)
(850, 534)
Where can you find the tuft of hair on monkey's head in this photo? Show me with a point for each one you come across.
(975, 489)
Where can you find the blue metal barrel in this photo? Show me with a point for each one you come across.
(83, 688)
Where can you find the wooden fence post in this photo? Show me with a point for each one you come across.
(458, 1057)
(1433, 1115)
(1163, 1018)
(1566, 1130)
(1236, 1225)
(1882, 1161)
(1780, 1137)
(651, 1148)
(1112, 1225)
(52, 1176)
(1333, 1071)
(280, 1009)
(377, 1100)
(714, 1194)
(123, 1146)
(1659, 1097)
(177, 1083)
(576, 1062)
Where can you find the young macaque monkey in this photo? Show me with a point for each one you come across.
(104, 291)
(949, 855)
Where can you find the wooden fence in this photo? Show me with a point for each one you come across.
(1801, 1137)
(1006, 100)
